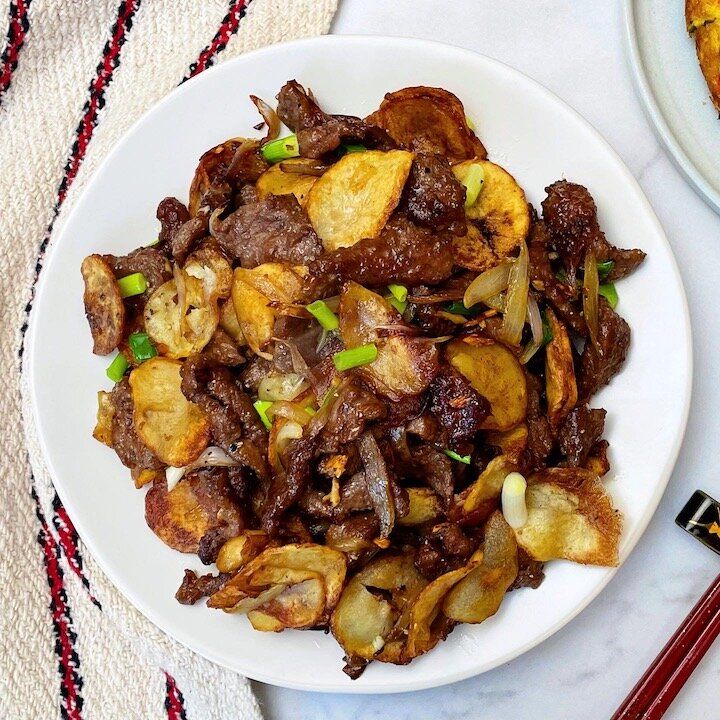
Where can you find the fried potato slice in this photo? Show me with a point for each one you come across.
(478, 595)
(512, 442)
(175, 429)
(707, 45)
(211, 268)
(428, 119)
(570, 516)
(230, 323)
(356, 196)
(276, 181)
(473, 252)
(105, 414)
(501, 209)
(424, 507)
(104, 307)
(298, 606)
(497, 375)
(560, 383)
(489, 484)
(404, 365)
(370, 624)
(255, 291)
(701, 12)
(195, 506)
(239, 551)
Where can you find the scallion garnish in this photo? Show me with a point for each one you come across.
(261, 407)
(399, 305)
(154, 242)
(117, 368)
(141, 346)
(608, 291)
(323, 314)
(281, 149)
(398, 291)
(547, 335)
(605, 268)
(458, 308)
(134, 284)
(310, 410)
(465, 459)
(354, 148)
(355, 357)
(469, 122)
(473, 182)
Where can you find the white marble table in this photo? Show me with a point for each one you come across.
(576, 48)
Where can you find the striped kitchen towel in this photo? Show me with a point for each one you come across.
(74, 75)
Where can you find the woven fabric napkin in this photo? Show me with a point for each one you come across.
(74, 76)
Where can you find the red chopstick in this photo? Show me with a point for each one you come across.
(657, 688)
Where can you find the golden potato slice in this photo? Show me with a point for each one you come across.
(145, 476)
(239, 551)
(478, 596)
(701, 12)
(707, 45)
(404, 365)
(356, 196)
(497, 375)
(253, 293)
(299, 606)
(105, 414)
(501, 209)
(561, 387)
(424, 507)
(229, 322)
(175, 429)
(277, 182)
(512, 442)
(211, 268)
(489, 484)
(196, 505)
(104, 307)
(428, 119)
(597, 462)
(570, 516)
(473, 251)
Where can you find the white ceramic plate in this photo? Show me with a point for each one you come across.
(525, 128)
(673, 90)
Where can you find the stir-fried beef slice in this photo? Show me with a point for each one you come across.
(433, 195)
(247, 165)
(425, 426)
(600, 362)
(579, 433)
(459, 408)
(354, 536)
(131, 450)
(275, 229)
(246, 195)
(149, 261)
(444, 548)
(381, 484)
(172, 214)
(297, 109)
(424, 315)
(303, 337)
(355, 407)
(189, 234)
(541, 440)
(254, 373)
(530, 572)
(403, 253)
(222, 349)
(436, 470)
(570, 214)
(194, 587)
(319, 140)
(354, 496)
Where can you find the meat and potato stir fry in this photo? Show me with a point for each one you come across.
(355, 373)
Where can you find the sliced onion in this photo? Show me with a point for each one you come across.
(214, 215)
(535, 320)
(211, 457)
(289, 411)
(487, 284)
(591, 287)
(304, 166)
(269, 116)
(252, 603)
(516, 300)
(290, 430)
(378, 483)
(436, 297)
(282, 387)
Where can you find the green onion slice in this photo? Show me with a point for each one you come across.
(323, 314)
(154, 242)
(605, 268)
(469, 122)
(547, 335)
(473, 183)
(141, 346)
(608, 291)
(261, 407)
(281, 149)
(399, 305)
(458, 308)
(355, 357)
(465, 459)
(310, 410)
(117, 368)
(134, 284)
(398, 291)
(354, 148)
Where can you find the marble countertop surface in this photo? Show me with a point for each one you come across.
(576, 48)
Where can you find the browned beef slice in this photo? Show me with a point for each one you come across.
(296, 108)
(540, 437)
(172, 214)
(530, 572)
(600, 362)
(254, 372)
(188, 236)
(194, 587)
(275, 229)
(580, 431)
(403, 253)
(148, 261)
(354, 536)
(433, 195)
(352, 411)
(444, 548)
(318, 140)
(222, 349)
(435, 468)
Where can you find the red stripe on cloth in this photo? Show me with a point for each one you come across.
(174, 700)
(17, 30)
(71, 682)
(228, 27)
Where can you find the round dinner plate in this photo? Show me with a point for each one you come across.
(526, 129)
(672, 88)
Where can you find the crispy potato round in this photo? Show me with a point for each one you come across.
(211, 268)
(299, 606)
(511, 442)
(239, 551)
(560, 383)
(428, 119)
(501, 209)
(473, 252)
(424, 507)
(489, 484)
(229, 322)
(175, 429)
(497, 375)
(104, 305)
(276, 181)
(105, 414)
(356, 196)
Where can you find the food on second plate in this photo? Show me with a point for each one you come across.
(702, 18)
(355, 374)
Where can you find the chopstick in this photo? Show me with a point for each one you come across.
(657, 688)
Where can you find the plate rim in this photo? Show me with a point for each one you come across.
(654, 114)
(407, 684)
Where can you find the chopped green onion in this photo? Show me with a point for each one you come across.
(399, 291)
(154, 242)
(608, 291)
(458, 308)
(399, 305)
(261, 407)
(469, 122)
(547, 335)
(354, 357)
(117, 368)
(141, 346)
(310, 410)
(281, 149)
(134, 284)
(605, 268)
(354, 148)
(323, 314)
(465, 459)
(473, 182)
